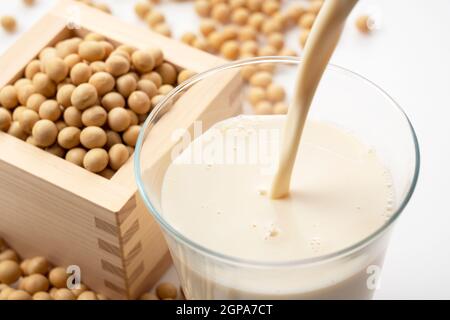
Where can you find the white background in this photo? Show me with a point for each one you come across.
(409, 56)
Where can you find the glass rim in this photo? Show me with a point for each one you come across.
(261, 263)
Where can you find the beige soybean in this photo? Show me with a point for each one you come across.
(185, 75)
(256, 20)
(19, 295)
(156, 99)
(71, 60)
(93, 36)
(69, 137)
(256, 95)
(307, 20)
(163, 28)
(98, 66)
(167, 72)
(42, 296)
(248, 71)
(363, 23)
(84, 96)
(270, 7)
(64, 294)
(67, 47)
(50, 110)
(261, 79)
(165, 89)
(64, 94)
(16, 130)
(43, 84)
(153, 76)
(87, 295)
(203, 7)
(60, 124)
(142, 9)
(93, 137)
(35, 283)
(76, 156)
(240, 16)
(188, 38)
(126, 48)
(221, 12)
(17, 112)
(112, 138)
(139, 102)
(58, 277)
(80, 73)
(47, 52)
(94, 116)
(294, 12)
(207, 26)
(81, 288)
(9, 97)
(5, 119)
(148, 87)
(21, 82)
(275, 93)
(271, 25)
(108, 48)
(148, 296)
(126, 84)
(32, 68)
(91, 50)
(143, 61)
(118, 119)
(113, 100)
(230, 32)
(276, 40)
(215, 40)
(134, 118)
(96, 160)
(130, 136)
(154, 17)
(121, 53)
(9, 271)
(201, 44)
(56, 69)
(118, 155)
(8, 23)
(9, 254)
(34, 101)
(44, 133)
(23, 93)
(103, 82)
(72, 117)
(27, 120)
(230, 50)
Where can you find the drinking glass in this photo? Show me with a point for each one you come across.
(344, 99)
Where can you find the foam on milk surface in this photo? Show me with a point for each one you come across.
(340, 191)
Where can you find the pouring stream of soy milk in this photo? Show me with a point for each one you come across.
(319, 48)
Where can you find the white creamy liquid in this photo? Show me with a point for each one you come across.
(340, 193)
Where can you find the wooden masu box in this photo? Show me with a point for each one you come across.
(51, 207)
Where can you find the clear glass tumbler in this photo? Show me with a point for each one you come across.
(344, 99)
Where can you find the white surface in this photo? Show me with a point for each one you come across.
(410, 58)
